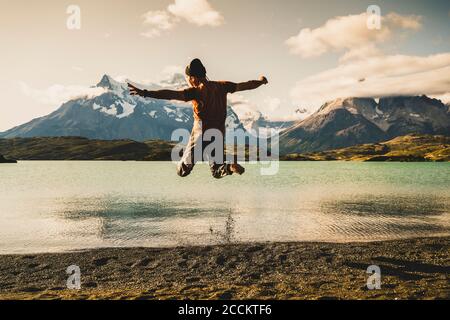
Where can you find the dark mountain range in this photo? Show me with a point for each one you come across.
(353, 121)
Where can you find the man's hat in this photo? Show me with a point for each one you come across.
(196, 69)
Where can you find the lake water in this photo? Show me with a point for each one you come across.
(58, 206)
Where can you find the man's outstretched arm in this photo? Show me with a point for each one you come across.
(159, 94)
(251, 85)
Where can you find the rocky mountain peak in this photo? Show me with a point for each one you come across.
(109, 83)
(354, 105)
(351, 121)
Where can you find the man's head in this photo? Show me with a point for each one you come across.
(196, 72)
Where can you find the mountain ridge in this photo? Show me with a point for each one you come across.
(351, 121)
(115, 114)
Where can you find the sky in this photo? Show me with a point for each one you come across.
(311, 51)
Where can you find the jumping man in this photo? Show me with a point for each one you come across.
(209, 99)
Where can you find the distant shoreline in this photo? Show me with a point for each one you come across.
(410, 269)
(243, 163)
(412, 148)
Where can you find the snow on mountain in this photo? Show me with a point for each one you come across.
(116, 114)
(109, 83)
(254, 121)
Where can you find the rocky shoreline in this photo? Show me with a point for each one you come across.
(410, 269)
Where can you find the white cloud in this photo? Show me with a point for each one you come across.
(445, 97)
(279, 110)
(169, 71)
(376, 77)
(363, 52)
(199, 12)
(347, 33)
(271, 107)
(158, 21)
(411, 22)
(244, 108)
(363, 69)
(121, 78)
(57, 94)
(273, 104)
(152, 33)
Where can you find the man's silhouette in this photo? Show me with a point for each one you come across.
(209, 99)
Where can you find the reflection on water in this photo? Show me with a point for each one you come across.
(58, 206)
(228, 235)
(389, 216)
(143, 219)
(388, 205)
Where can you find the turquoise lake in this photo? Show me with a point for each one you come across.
(51, 206)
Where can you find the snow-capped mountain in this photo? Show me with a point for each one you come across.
(263, 126)
(255, 122)
(346, 122)
(115, 114)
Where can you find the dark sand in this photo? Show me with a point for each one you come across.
(411, 269)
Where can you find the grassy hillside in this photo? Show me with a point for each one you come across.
(76, 148)
(406, 148)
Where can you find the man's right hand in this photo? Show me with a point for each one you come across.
(134, 91)
(263, 80)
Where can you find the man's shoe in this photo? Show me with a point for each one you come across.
(237, 168)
